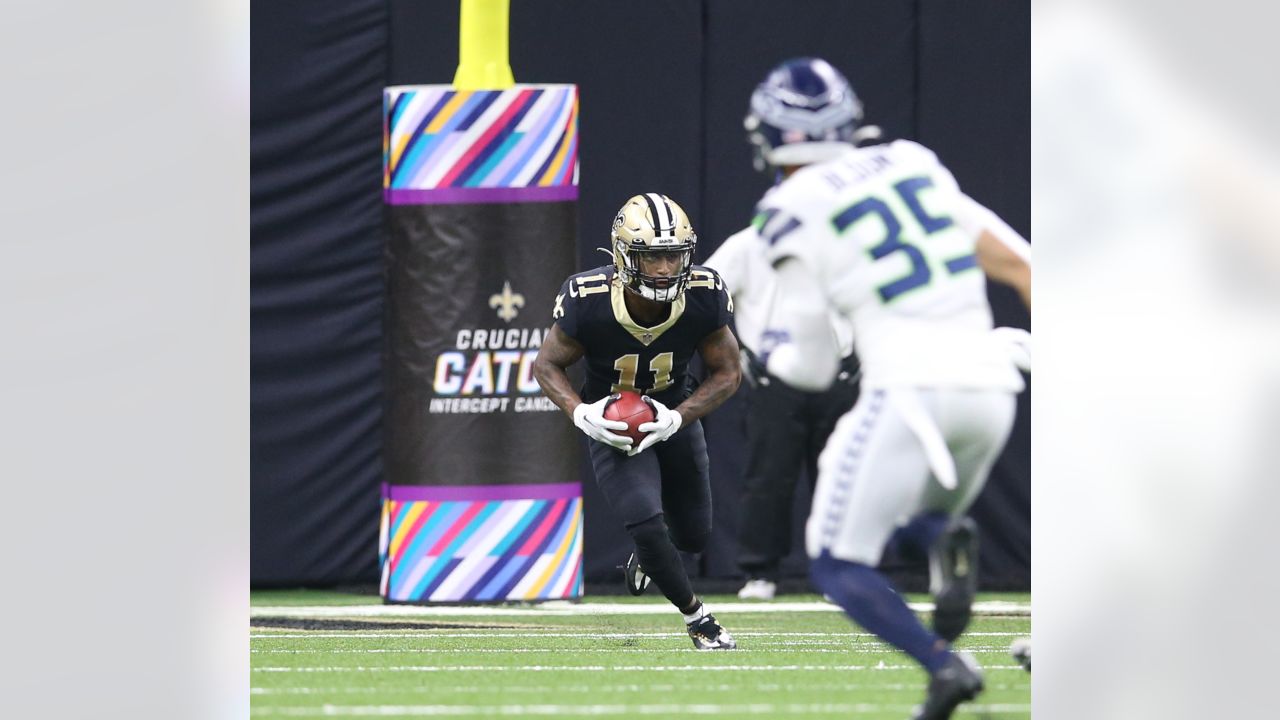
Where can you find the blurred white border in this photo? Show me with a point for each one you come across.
(124, 294)
(1158, 368)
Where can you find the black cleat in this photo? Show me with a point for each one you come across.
(953, 578)
(707, 634)
(957, 681)
(637, 581)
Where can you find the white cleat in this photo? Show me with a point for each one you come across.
(1021, 651)
(758, 590)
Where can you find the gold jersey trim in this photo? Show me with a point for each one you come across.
(646, 335)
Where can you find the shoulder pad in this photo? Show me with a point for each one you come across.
(590, 282)
(704, 277)
(913, 148)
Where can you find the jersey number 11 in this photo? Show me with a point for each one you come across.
(628, 365)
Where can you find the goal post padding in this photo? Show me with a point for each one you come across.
(482, 500)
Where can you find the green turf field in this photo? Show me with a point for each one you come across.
(327, 654)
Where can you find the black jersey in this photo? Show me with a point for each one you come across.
(622, 355)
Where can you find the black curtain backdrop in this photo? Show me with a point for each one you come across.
(319, 67)
(663, 88)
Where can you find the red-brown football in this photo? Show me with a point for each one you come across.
(631, 409)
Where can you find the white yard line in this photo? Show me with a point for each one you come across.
(597, 688)
(535, 633)
(605, 651)
(596, 668)
(567, 609)
(667, 710)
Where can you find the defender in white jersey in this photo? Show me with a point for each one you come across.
(883, 236)
(785, 428)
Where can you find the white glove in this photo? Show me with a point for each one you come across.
(589, 417)
(665, 424)
(1017, 343)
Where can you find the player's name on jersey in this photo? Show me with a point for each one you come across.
(482, 405)
(855, 169)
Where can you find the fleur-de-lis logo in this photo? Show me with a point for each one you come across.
(506, 302)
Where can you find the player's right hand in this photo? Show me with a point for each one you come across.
(589, 417)
(1017, 342)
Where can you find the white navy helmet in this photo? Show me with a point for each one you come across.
(804, 112)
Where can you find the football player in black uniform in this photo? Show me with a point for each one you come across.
(638, 323)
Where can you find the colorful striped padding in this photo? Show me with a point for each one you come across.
(488, 542)
(442, 145)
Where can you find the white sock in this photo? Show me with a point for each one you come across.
(696, 615)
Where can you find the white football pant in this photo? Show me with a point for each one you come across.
(898, 453)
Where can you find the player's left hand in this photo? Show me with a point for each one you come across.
(665, 424)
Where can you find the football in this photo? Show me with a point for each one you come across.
(631, 409)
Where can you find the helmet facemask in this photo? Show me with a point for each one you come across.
(649, 225)
(659, 288)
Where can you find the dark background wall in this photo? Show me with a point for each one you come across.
(664, 85)
(316, 289)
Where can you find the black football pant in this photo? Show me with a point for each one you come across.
(786, 431)
(663, 496)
